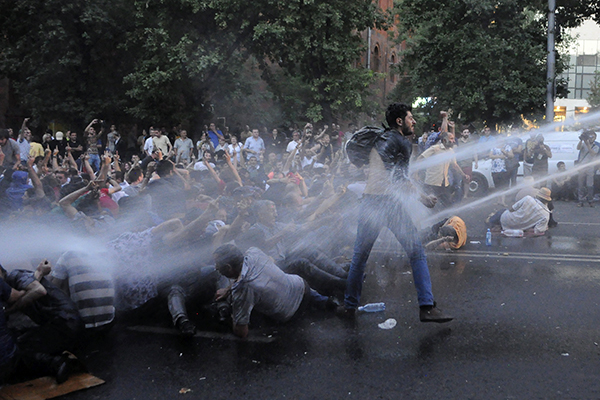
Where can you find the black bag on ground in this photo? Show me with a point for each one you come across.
(360, 144)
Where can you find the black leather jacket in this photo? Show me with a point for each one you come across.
(394, 150)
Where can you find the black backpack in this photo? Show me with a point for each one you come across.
(360, 144)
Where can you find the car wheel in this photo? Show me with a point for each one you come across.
(478, 185)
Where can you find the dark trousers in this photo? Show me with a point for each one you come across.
(53, 337)
(320, 280)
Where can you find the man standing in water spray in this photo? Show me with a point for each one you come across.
(388, 176)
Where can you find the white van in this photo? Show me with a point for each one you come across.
(562, 144)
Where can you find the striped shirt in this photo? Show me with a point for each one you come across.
(528, 213)
(91, 289)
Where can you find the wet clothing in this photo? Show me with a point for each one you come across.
(90, 288)
(528, 213)
(585, 178)
(461, 230)
(392, 154)
(193, 288)
(7, 345)
(56, 314)
(263, 287)
(16, 190)
(135, 285)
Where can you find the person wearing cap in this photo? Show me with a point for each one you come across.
(527, 213)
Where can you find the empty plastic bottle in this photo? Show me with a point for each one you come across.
(513, 232)
(372, 307)
(488, 238)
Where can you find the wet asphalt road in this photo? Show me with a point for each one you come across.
(527, 327)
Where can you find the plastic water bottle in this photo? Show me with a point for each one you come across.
(372, 307)
(488, 238)
(513, 232)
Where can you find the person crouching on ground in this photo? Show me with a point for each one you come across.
(527, 213)
(259, 284)
(449, 233)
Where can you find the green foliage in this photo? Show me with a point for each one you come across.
(164, 61)
(594, 96)
(62, 57)
(485, 59)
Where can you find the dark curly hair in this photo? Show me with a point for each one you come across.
(395, 111)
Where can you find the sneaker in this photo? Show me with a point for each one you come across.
(186, 328)
(579, 204)
(433, 314)
(591, 204)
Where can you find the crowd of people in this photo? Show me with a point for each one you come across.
(234, 223)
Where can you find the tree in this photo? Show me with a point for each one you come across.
(163, 62)
(485, 59)
(192, 47)
(63, 58)
(594, 96)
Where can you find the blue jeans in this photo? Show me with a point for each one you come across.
(95, 162)
(383, 211)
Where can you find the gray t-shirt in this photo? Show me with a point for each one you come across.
(10, 150)
(266, 288)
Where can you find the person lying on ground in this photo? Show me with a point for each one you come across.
(258, 284)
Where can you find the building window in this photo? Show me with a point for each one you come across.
(587, 59)
(375, 63)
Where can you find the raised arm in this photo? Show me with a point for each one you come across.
(35, 179)
(88, 168)
(105, 168)
(87, 129)
(23, 127)
(66, 203)
(237, 177)
(70, 159)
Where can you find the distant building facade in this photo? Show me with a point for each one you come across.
(584, 61)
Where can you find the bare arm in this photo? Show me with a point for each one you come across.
(104, 169)
(183, 175)
(33, 291)
(23, 127)
(115, 186)
(195, 228)
(289, 160)
(47, 154)
(87, 129)
(35, 179)
(237, 177)
(213, 173)
(88, 168)
(66, 203)
(444, 115)
(70, 159)
(117, 162)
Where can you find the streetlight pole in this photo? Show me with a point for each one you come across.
(551, 62)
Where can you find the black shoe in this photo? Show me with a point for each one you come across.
(332, 304)
(591, 204)
(69, 365)
(346, 313)
(186, 328)
(433, 314)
